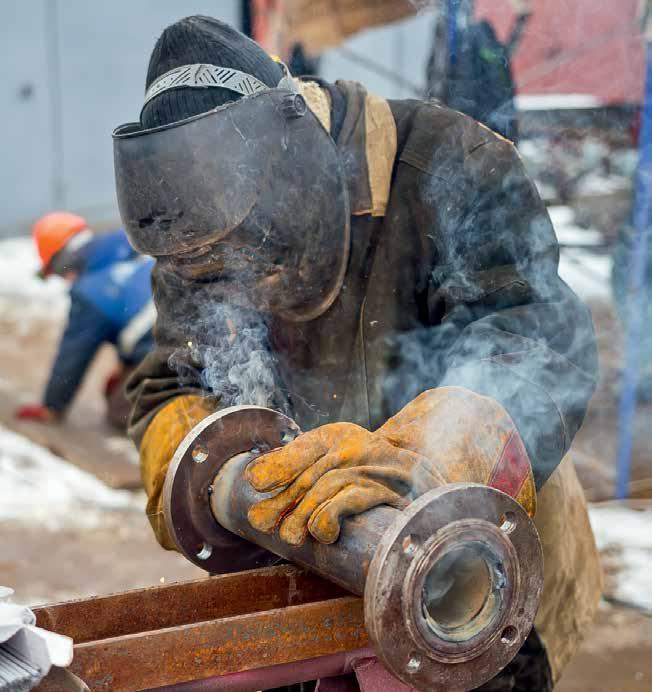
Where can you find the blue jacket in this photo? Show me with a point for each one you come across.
(112, 292)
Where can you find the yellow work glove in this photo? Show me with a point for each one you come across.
(445, 435)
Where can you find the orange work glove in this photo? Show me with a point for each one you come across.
(162, 437)
(445, 435)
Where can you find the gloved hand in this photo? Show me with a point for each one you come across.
(114, 380)
(445, 435)
(37, 413)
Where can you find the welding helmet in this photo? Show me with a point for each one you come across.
(250, 194)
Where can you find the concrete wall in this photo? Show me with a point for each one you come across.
(389, 60)
(72, 70)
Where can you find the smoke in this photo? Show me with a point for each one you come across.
(504, 324)
(240, 368)
(229, 355)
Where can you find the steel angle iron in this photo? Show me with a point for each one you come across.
(451, 584)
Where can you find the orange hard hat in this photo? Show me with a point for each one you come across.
(52, 231)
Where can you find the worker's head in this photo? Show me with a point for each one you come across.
(229, 174)
(202, 40)
(59, 238)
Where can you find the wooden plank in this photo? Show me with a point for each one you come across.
(322, 24)
(220, 647)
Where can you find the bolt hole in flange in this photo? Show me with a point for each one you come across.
(205, 552)
(199, 453)
(509, 635)
(409, 546)
(462, 592)
(413, 665)
(508, 522)
(288, 436)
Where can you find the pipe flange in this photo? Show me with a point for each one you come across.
(186, 492)
(461, 573)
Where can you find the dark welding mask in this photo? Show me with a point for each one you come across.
(251, 195)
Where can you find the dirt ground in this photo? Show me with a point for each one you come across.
(45, 567)
(616, 655)
(46, 564)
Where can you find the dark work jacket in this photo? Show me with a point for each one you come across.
(456, 284)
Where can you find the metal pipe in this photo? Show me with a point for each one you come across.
(231, 499)
(451, 584)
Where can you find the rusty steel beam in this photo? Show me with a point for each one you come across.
(182, 603)
(177, 633)
(220, 647)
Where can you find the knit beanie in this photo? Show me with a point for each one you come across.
(199, 39)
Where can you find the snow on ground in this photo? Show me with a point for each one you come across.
(627, 533)
(22, 293)
(37, 487)
(584, 270)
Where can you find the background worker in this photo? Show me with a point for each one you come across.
(470, 69)
(110, 302)
(384, 271)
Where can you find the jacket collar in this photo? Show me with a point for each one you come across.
(364, 131)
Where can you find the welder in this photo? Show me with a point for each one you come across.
(385, 272)
(110, 303)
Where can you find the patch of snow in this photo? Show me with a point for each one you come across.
(599, 184)
(561, 216)
(37, 487)
(22, 292)
(534, 150)
(588, 274)
(568, 233)
(585, 271)
(122, 445)
(629, 532)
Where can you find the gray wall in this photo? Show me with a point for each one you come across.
(71, 71)
(74, 69)
(401, 48)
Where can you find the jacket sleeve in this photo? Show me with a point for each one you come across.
(86, 330)
(510, 327)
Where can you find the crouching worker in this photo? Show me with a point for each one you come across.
(110, 302)
(386, 273)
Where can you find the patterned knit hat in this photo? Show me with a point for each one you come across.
(201, 39)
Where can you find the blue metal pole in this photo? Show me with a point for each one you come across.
(452, 16)
(636, 297)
